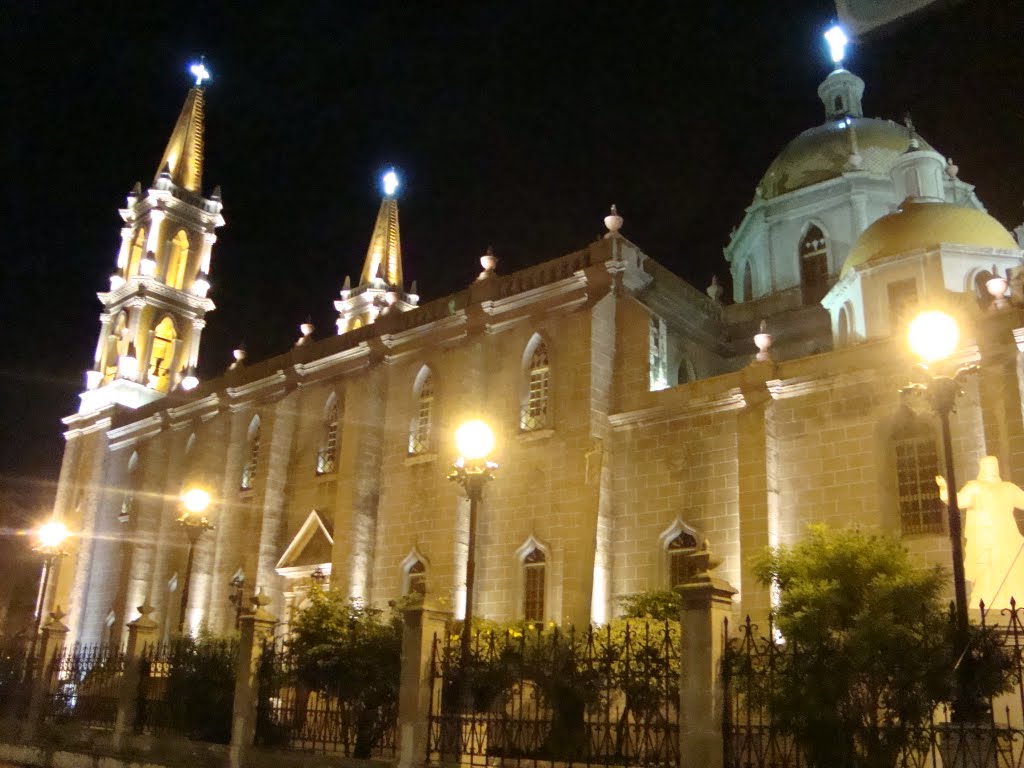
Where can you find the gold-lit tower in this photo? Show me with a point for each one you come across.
(154, 312)
(381, 286)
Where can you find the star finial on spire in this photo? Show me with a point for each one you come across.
(199, 71)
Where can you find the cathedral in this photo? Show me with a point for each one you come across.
(638, 418)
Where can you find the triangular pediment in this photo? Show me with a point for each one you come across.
(311, 548)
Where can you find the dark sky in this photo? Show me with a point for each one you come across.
(513, 124)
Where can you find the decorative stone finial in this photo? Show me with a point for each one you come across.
(952, 169)
(613, 222)
(145, 609)
(260, 600)
(347, 285)
(997, 287)
(306, 329)
(763, 342)
(216, 196)
(715, 290)
(57, 614)
(391, 298)
(488, 261)
(239, 354)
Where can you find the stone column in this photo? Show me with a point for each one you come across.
(54, 635)
(254, 628)
(758, 501)
(421, 624)
(141, 633)
(707, 602)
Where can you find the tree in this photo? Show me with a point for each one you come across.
(871, 650)
(352, 653)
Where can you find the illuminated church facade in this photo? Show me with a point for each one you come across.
(637, 416)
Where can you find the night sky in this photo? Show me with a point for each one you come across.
(512, 124)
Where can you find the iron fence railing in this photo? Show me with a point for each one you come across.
(84, 684)
(297, 712)
(603, 696)
(754, 738)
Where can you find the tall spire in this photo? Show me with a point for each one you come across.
(381, 286)
(384, 256)
(183, 158)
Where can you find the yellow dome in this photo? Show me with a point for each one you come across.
(926, 224)
(823, 153)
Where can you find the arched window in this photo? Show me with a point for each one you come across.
(178, 261)
(534, 566)
(138, 250)
(657, 357)
(917, 464)
(117, 345)
(748, 282)
(160, 356)
(536, 410)
(421, 430)
(814, 265)
(843, 332)
(416, 579)
(131, 487)
(678, 550)
(327, 454)
(252, 455)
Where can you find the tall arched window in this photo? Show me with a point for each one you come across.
(138, 250)
(814, 265)
(178, 260)
(420, 432)
(327, 454)
(117, 345)
(131, 487)
(252, 455)
(536, 408)
(917, 464)
(160, 356)
(534, 567)
(748, 282)
(678, 550)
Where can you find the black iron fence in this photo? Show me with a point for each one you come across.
(755, 738)
(306, 713)
(16, 674)
(602, 696)
(85, 684)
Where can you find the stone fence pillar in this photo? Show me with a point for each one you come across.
(707, 602)
(254, 628)
(141, 633)
(54, 635)
(420, 625)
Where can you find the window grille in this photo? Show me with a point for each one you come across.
(535, 413)
(249, 469)
(533, 585)
(679, 568)
(417, 579)
(326, 456)
(814, 265)
(917, 464)
(419, 436)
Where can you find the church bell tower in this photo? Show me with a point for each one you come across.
(154, 312)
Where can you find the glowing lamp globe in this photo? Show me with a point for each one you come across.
(199, 72)
(52, 534)
(837, 40)
(933, 336)
(390, 182)
(195, 500)
(474, 439)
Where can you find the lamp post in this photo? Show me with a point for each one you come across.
(50, 538)
(475, 441)
(933, 336)
(194, 502)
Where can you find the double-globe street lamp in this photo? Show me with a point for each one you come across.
(474, 441)
(194, 503)
(933, 336)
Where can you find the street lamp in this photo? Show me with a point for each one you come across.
(194, 502)
(50, 538)
(933, 336)
(474, 441)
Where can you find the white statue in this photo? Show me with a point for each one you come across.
(993, 560)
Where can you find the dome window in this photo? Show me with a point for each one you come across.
(814, 265)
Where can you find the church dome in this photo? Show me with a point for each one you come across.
(823, 152)
(922, 224)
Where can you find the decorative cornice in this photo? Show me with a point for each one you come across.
(148, 289)
(204, 407)
(577, 281)
(730, 400)
(324, 365)
(270, 386)
(135, 431)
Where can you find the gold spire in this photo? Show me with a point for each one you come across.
(183, 158)
(384, 256)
